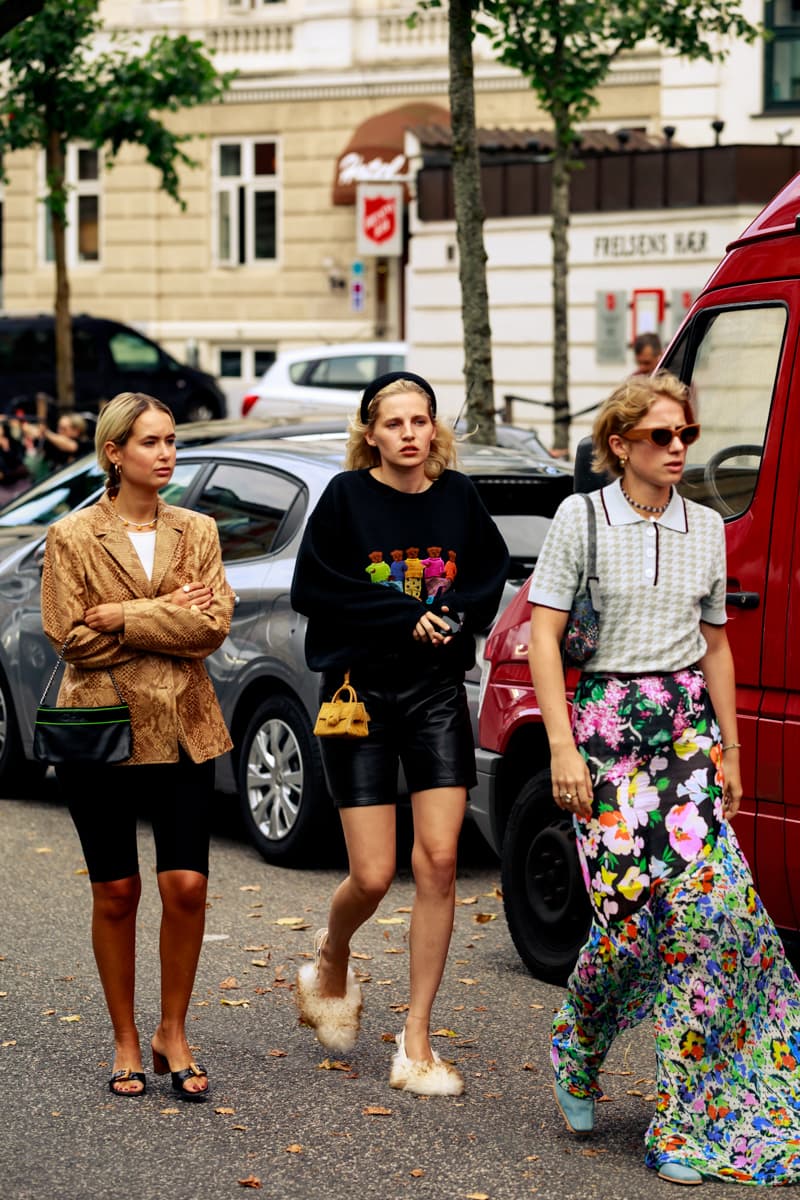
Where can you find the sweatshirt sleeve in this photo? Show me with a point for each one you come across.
(479, 589)
(325, 594)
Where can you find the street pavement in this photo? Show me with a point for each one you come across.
(286, 1120)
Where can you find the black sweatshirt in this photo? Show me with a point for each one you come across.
(363, 588)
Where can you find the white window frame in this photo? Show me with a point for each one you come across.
(253, 185)
(75, 189)
(248, 360)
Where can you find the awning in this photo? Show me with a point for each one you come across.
(376, 150)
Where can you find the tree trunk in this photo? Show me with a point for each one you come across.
(560, 226)
(57, 197)
(469, 228)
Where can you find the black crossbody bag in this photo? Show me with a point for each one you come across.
(100, 734)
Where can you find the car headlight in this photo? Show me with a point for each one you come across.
(486, 670)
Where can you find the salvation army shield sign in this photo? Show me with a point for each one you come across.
(379, 216)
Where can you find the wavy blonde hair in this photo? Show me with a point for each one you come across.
(625, 408)
(360, 454)
(115, 424)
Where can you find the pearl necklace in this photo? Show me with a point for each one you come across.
(651, 508)
(139, 526)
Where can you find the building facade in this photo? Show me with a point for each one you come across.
(327, 92)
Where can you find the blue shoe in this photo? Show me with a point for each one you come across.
(675, 1172)
(578, 1113)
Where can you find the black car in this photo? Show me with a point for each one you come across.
(109, 357)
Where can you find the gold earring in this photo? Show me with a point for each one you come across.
(622, 461)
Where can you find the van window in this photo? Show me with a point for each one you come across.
(730, 358)
(133, 353)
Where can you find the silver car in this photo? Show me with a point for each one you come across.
(259, 493)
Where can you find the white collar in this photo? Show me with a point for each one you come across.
(619, 512)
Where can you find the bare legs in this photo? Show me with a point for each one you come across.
(370, 837)
(183, 895)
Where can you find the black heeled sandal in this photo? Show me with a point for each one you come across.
(122, 1076)
(194, 1070)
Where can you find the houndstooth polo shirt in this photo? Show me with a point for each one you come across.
(658, 579)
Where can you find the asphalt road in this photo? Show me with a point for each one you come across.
(278, 1117)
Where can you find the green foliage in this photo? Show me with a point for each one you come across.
(59, 82)
(565, 48)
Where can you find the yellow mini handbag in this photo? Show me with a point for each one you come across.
(344, 715)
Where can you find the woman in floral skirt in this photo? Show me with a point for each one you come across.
(649, 769)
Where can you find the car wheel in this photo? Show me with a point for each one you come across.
(284, 802)
(201, 408)
(545, 899)
(17, 775)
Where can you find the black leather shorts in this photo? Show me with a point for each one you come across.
(419, 720)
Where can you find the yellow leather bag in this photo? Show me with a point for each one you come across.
(344, 715)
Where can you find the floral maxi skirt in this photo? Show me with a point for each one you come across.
(679, 934)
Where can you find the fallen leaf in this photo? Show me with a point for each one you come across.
(467, 900)
(492, 1095)
(226, 1112)
(230, 982)
(477, 1196)
(375, 1110)
(234, 1003)
(495, 893)
(450, 1033)
(252, 1181)
(650, 1096)
(250, 887)
(480, 1008)
(399, 1007)
(169, 1112)
(258, 904)
(255, 949)
(49, 1012)
(355, 954)
(43, 850)
(259, 962)
(391, 920)
(72, 1017)
(81, 871)
(10, 1042)
(531, 1158)
(459, 1007)
(201, 1004)
(394, 950)
(528, 1066)
(535, 1006)
(388, 1037)
(417, 1172)
(333, 1064)
(469, 982)
(383, 982)
(593, 1153)
(277, 1053)
(256, 916)
(294, 1149)
(483, 918)
(241, 1128)
(405, 909)
(289, 921)
(3, 993)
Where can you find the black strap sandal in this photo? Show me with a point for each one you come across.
(122, 1076)
(194, 1070)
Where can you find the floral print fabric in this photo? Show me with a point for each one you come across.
(696, 951)
(651, 744)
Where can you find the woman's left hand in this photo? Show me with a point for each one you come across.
(105, 618)
(732, 787)
(431, 628)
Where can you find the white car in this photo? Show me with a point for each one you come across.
(330, 375)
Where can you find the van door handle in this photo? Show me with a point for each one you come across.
(743, 599)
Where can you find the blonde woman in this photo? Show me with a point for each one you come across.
(137, 587)
(648, 767)
(407, 663)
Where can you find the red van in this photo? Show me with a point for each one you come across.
(737, 349)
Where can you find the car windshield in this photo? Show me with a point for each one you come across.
(522, 507)
(54, 496)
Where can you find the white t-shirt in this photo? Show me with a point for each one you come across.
(145, 546)
(657, 579)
